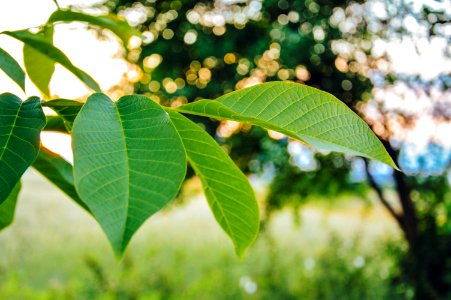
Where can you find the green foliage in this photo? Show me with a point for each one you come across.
(228, 191)
(300, 112)
(20, 126)
(130, 156)
(128, 162)
(42, 45)
(10, 66)
(8, 207)
(39, 66)
(111, 22)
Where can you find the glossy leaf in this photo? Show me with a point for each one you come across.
(10, 66)
(40, 44)
(229, 194)
(111, 22)
(58, 171)
(39, 67)
(300, 112)
(8, 208)
(20, 126)
(129, 162)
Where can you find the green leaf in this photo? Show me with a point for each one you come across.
(300, 112)
(8, 208)
(58, 171)
(129, 162)
(39, 67)
(10, 66)
(40, 44)
(229, 194)
(55, 123)
(20, 126)
(111, 22)
(66, 109)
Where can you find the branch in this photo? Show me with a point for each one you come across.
(56, 3)
(381, 196)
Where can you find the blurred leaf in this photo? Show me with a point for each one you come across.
(55, 123)
(228, 191)
(8, 207)
(59, 172)
(300, 112)
(39, 67)
(66, 109)
(129, 162)
(10, 66)
(40, 44)
(20, 126)
(111, 22)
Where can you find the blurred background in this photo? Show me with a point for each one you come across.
(334, 227)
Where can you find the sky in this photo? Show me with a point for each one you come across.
(100, 59)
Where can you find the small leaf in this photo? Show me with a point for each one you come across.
(55, 123)
(20, 126)
(229, 194)
(111, 22)
(300, 112)
(40, 44)
(8, 207)
(129, 162)
(10, 66)
(66, 109)
(59, 172)
(39, 67)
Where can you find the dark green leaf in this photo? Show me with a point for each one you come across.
(59, 172)
(129, 162)
(8, 208)
(40, 44)
(10, 66)
(300, 112)
(229, 194)
(111, 22)
(20, 126)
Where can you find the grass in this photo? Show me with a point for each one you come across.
(54, 250)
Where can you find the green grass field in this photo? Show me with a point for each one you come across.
(54, 250)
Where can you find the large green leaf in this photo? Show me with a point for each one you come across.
(66, 109)
(20, 126)
(59, 172)
(10, 66)
(229, 194)
(39, 67)
(40, 44)
(300, 112)
(129, 161)
(8, 208)
(111, 22)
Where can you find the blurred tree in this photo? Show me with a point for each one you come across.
(202, 49)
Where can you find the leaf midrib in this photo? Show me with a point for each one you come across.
(128, 175)
(12, 130)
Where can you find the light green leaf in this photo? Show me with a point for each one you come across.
(111, 22)
(40, 44)
(39, 67)
(229, 194)
(300, 112)
(66, 109)
(129, 162)
(8, 208)
(59, 172)
(20, 126)
(10, 66)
